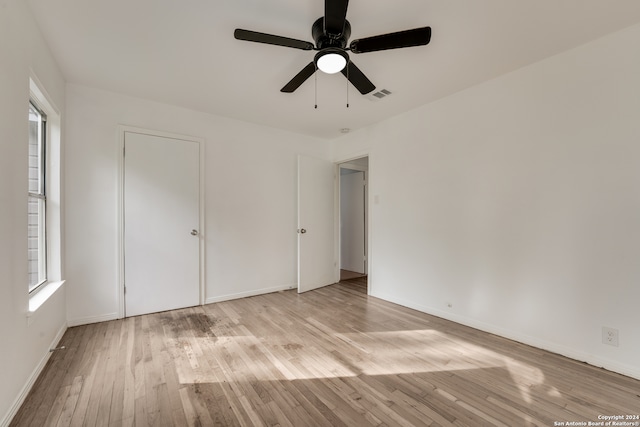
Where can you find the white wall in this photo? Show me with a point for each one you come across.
(352, 226)
(518, 202)
(25, 341)
(250, 198)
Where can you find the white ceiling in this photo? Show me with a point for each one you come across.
(182, 52)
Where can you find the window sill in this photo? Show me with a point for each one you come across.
(47, 291)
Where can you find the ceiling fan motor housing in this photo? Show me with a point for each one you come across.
(324, 40)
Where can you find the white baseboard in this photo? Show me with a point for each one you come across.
(609, 365)
(13, 410)
(252, 293)
(92, 319)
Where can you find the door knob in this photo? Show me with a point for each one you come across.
(302, 231)
(194, 232)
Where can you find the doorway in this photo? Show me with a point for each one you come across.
(354, 215)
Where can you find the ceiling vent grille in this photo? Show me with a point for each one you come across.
(377, 96)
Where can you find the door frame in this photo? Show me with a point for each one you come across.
(120, 259)
(369, 215)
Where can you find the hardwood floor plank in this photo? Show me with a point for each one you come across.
(71, 402)
(80, 412)
(110, 352)
(58, 404)
(117, 396)
(330, 357)
(126, 374)
(87, 366)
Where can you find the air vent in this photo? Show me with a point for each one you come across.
(376, 96)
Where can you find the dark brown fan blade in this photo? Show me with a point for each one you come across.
(254, 36)
(357, 78)
(300, 78)
(407, 38)
(335, 13)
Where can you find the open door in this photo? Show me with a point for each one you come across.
(316, 233)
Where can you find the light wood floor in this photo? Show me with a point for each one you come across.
(330, 357)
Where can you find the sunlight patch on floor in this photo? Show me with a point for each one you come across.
(376, 353)
(525, 377)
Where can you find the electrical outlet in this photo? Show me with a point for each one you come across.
(610, 336)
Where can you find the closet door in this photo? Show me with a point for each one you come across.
(161, 220)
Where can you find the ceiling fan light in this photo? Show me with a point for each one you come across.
(331, 63)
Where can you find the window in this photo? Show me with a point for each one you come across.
(36, 231)
(44, 233)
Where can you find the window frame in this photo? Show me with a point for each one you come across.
(41, 197)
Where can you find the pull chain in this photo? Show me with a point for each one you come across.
(348, 82)
(316, 79)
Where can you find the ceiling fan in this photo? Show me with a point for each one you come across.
(331, 33)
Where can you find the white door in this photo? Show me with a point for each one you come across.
(352, 221)
(316, 234)
(161, 221)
